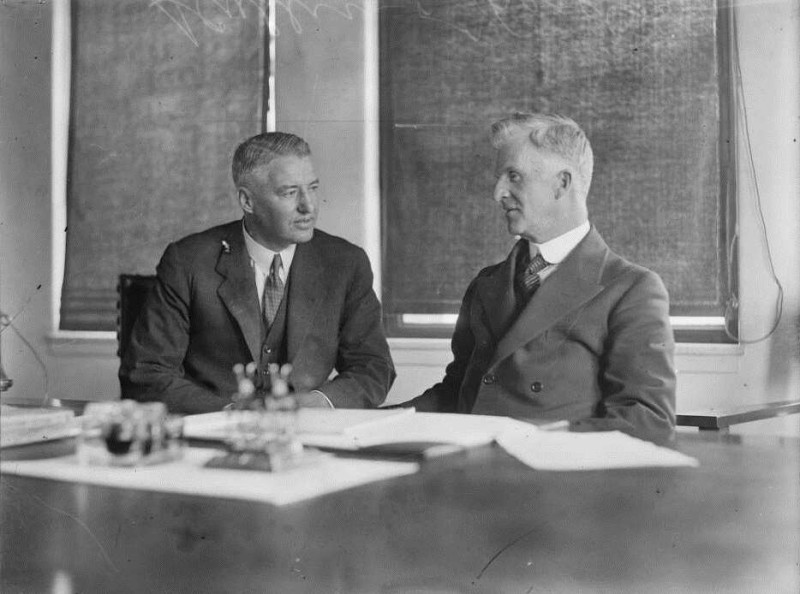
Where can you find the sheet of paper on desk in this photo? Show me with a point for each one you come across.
(544, 450)
(189, 476)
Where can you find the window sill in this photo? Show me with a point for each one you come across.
(686, 329)
(691, 357)
(681, 348)
(71, 343)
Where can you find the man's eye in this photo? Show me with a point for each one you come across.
(513, 177)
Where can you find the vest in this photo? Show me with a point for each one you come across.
(273, 343)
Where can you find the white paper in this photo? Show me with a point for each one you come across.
(20, 425)
(311, 421)
(450, 428)
(188, 476)
(352, 428)
(544, 450)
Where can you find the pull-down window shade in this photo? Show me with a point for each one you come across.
(161, 95)
(642, 77)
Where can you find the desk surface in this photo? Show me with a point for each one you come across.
(483, 523)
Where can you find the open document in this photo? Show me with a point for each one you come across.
(366, 430)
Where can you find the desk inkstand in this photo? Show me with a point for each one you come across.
(129, 433)
(263, 423)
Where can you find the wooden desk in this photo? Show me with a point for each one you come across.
(484, 523)
(715, 420)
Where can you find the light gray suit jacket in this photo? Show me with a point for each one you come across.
(593, 346)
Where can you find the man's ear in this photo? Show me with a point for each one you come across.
(245, 200)
(564, 181)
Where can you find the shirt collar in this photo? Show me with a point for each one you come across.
(558, 248)
(262, 257)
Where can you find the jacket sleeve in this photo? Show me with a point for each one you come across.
(443, 397)
(364, 367)
(637, 374)
(152, 368)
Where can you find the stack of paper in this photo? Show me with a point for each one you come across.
(20, 425)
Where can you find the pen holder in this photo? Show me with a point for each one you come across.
(264, 434)
(128, 433)
(262, 422)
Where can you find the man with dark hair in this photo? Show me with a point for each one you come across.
(269, 288)
(564, 328)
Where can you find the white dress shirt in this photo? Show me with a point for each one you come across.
(261, 261)
(558, 248)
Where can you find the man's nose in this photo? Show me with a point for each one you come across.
(500, 190)
(306, 200)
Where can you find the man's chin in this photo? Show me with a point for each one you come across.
(514, 229)
(304, 236)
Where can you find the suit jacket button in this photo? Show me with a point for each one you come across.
(489, 378)
(536, 387)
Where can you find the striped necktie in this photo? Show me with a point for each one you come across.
(528, 280)
(273, 291)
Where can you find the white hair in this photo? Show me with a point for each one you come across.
(553, 133)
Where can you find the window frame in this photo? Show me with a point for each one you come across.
(688, 327)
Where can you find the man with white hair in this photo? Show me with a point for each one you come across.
(564, 328)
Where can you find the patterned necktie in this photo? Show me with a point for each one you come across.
(273, 291)
(528, 280)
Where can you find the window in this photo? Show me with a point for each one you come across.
(647, 80)
(161, 94)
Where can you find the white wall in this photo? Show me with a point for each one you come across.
(770, 47)
(323, 93)
(25, 246)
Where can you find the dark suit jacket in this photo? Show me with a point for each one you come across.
(203, 317)
(594, 346)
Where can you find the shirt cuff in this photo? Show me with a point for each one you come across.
(328, 403)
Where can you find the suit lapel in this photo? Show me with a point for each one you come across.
(496, 293)
(575, 281)
(307, 283)
(237, 291)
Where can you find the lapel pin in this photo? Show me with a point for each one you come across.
(226, 247)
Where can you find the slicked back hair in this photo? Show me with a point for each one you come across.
(263, 148)
(553, 133)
